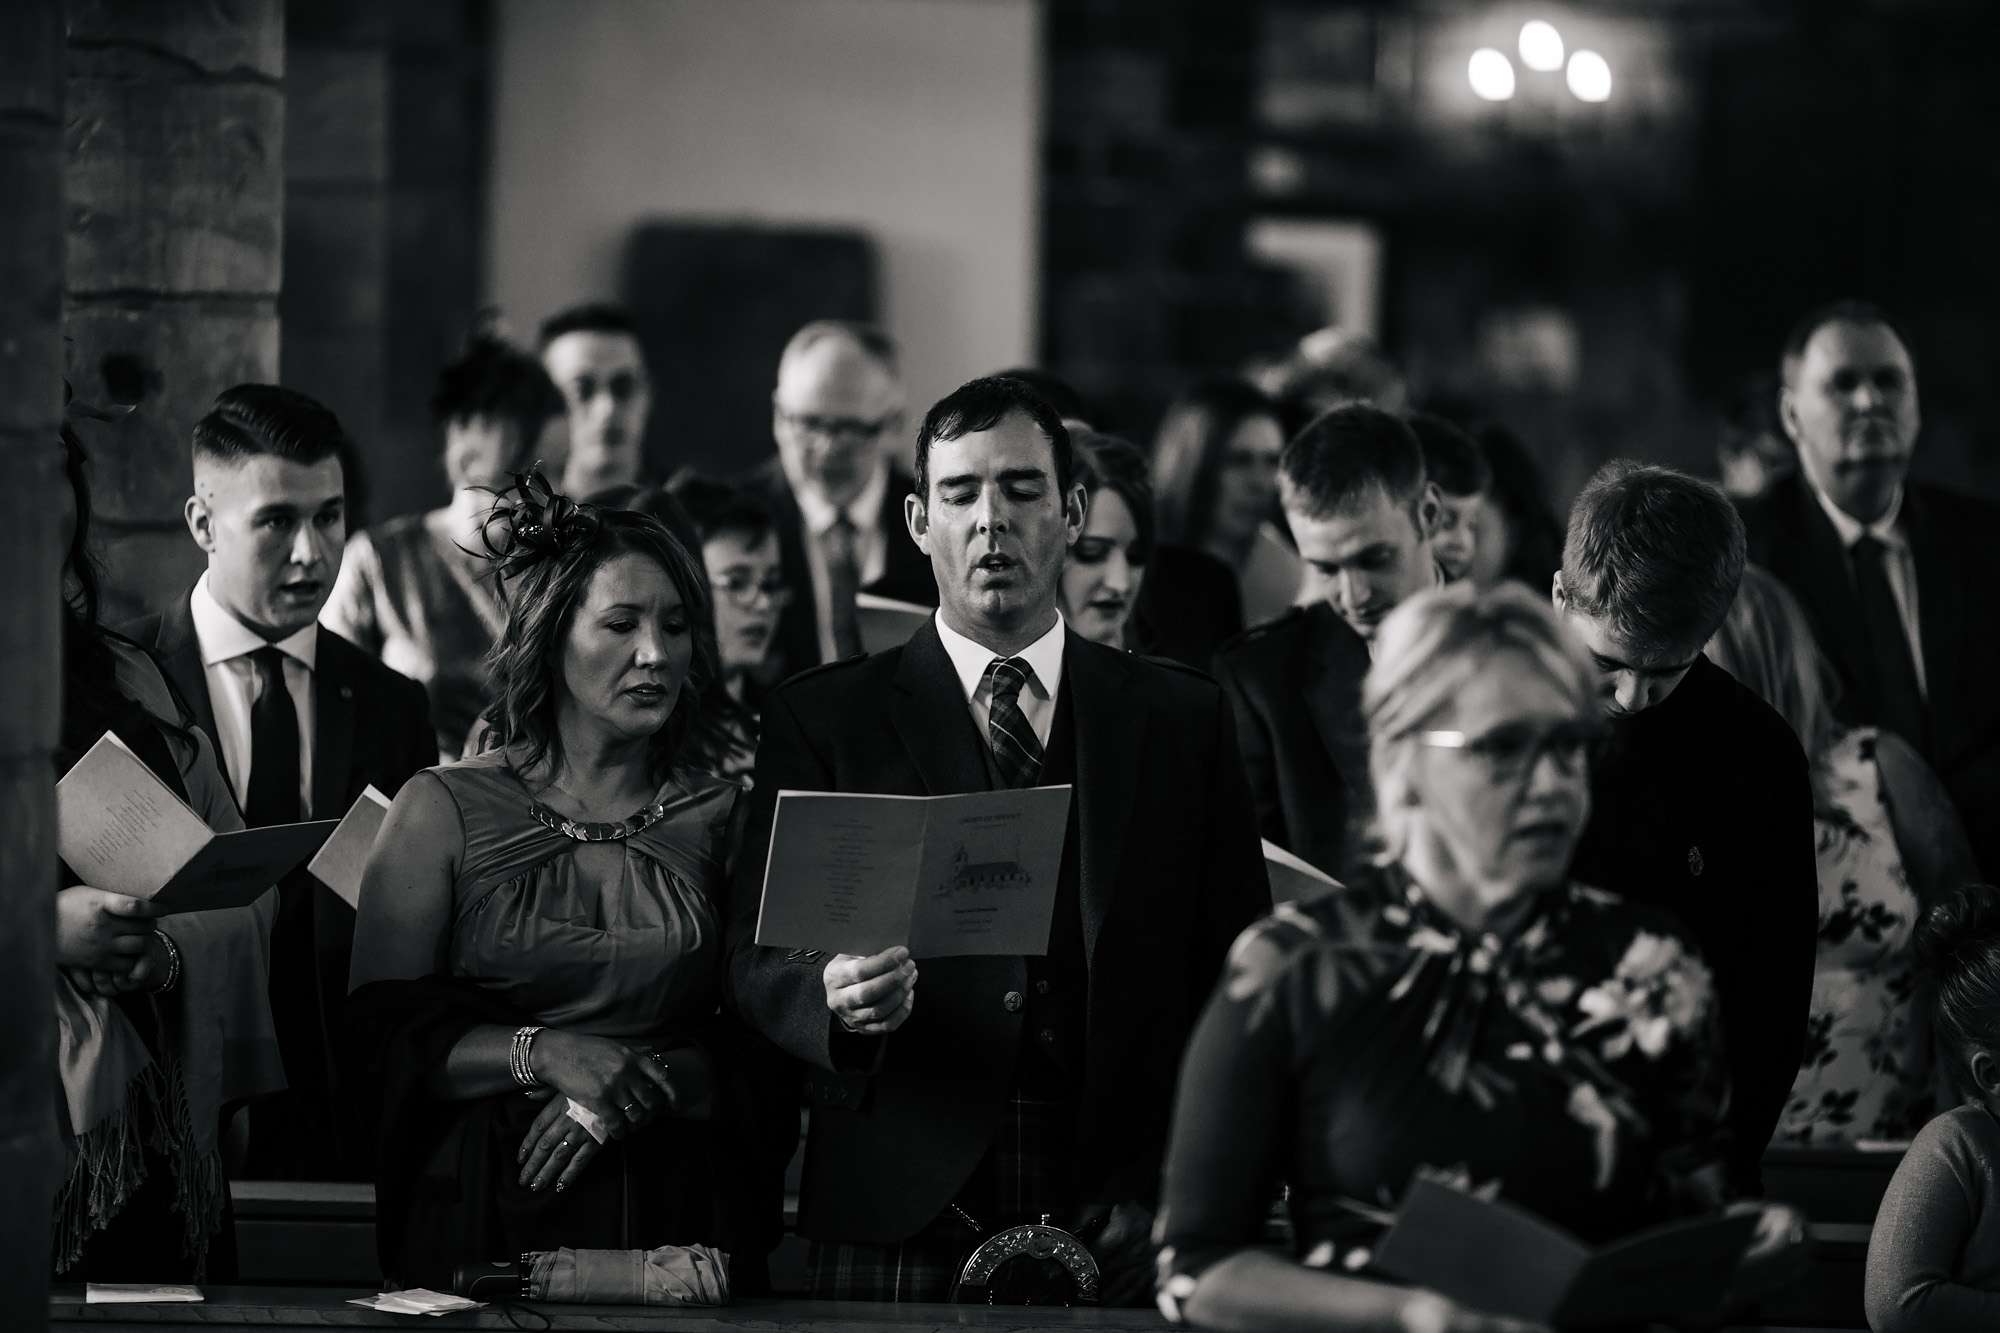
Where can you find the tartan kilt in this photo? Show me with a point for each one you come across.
(1030, 1170)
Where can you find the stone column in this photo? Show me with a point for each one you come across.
(175, 136)
(31, 266)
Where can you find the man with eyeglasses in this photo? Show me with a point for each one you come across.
(1700, 803)
(834, 491)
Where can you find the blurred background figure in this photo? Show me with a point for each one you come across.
(835, 493)
(592, 353)
(739, 551)
(1215, 483)
(1332, 366)
(1751, 451)
(415, 591)
(1107, 562)
(1888, 845)
(1519, 537)
(1458, 468)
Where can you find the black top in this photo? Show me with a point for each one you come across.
(1701, 805)
(1188, 605)
(1363, 1037)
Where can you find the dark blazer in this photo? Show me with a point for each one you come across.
(1188, 606)
(1168, 872)
(1956, 544)
(906, 571)
(370, 725)
(1295, 684)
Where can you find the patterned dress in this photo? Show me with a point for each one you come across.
(1363, 1037)
(1865, 1073)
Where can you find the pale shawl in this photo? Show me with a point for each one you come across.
(219, 1045)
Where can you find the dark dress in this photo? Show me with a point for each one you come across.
(1361, 1037)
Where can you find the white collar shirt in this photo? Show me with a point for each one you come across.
(1898, 563)
(973, 662)
(871, 550)
(226, 644)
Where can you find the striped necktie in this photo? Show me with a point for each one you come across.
(1016, 752)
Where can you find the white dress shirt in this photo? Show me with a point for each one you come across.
(1038, 699)
(226, 644)
(871, 550)
(1897, 563)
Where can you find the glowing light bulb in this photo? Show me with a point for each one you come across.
(1541, 46)
(1589, 77)
(1492, 75)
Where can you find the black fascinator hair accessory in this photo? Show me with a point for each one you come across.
(532, 523)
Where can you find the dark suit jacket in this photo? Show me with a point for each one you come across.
(1295, 684)
(370, 725)
(906, 571)
(1956, 544)
(1168, 873)
(1188, 606)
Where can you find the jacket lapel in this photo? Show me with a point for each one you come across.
(180, 656)
(1808, 556)
(930, 716)
(333, 731)
(1109, 719)
(1941, 614)
(1331, 683)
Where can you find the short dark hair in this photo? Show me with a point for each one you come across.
(492, 380)
(1108, 463)
(1452, 458)
(589, 317)
(982, 404)
(1655, 553)
(252, 420)
(716, 507)
(1189, 447)
(1844, 311)
(1348, 453)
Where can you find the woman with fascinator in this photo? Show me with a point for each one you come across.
(143, 1001)
(539, 932)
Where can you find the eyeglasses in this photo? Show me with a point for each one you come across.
(743, 589)
(1514, 748)
(848, 428)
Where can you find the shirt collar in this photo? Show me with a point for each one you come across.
(864, 511)
(1852, 530)
(970, 659)
(222, 637)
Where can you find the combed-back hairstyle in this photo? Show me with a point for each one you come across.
(1767, 643)
(252, 420)
(545, 548)
(1189, 449)
(1108, 463)
(1427, 650)
(982, 404)
(1655, 554)
(589, 317)
(1957, 945)
(1349, 454)
(715, 507)
(1057, 392)
(493, 380)
(873, 340)
(1845, 311)
(1452, 458)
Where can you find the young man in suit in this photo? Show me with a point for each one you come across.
(996, 1090)
(1363, 512)
(302, 722)
(1896, 576)
(837, 497)
(1700, 803)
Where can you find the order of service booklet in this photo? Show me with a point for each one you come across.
(340, 862)
(1293, 878)
(944, 875)
(120, 828)
(886, 623)
(1493, 1256)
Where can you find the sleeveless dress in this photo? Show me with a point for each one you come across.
(637, 960)
(1864, 1074)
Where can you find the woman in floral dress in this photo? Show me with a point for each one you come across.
(1888, 843)
(1465, 1010)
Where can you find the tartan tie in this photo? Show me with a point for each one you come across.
(1016, 752)
(843, 578)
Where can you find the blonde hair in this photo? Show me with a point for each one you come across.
(1426, 651)
(1767, 643)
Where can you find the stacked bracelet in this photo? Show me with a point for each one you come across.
(173, 963)
(517, 1059)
